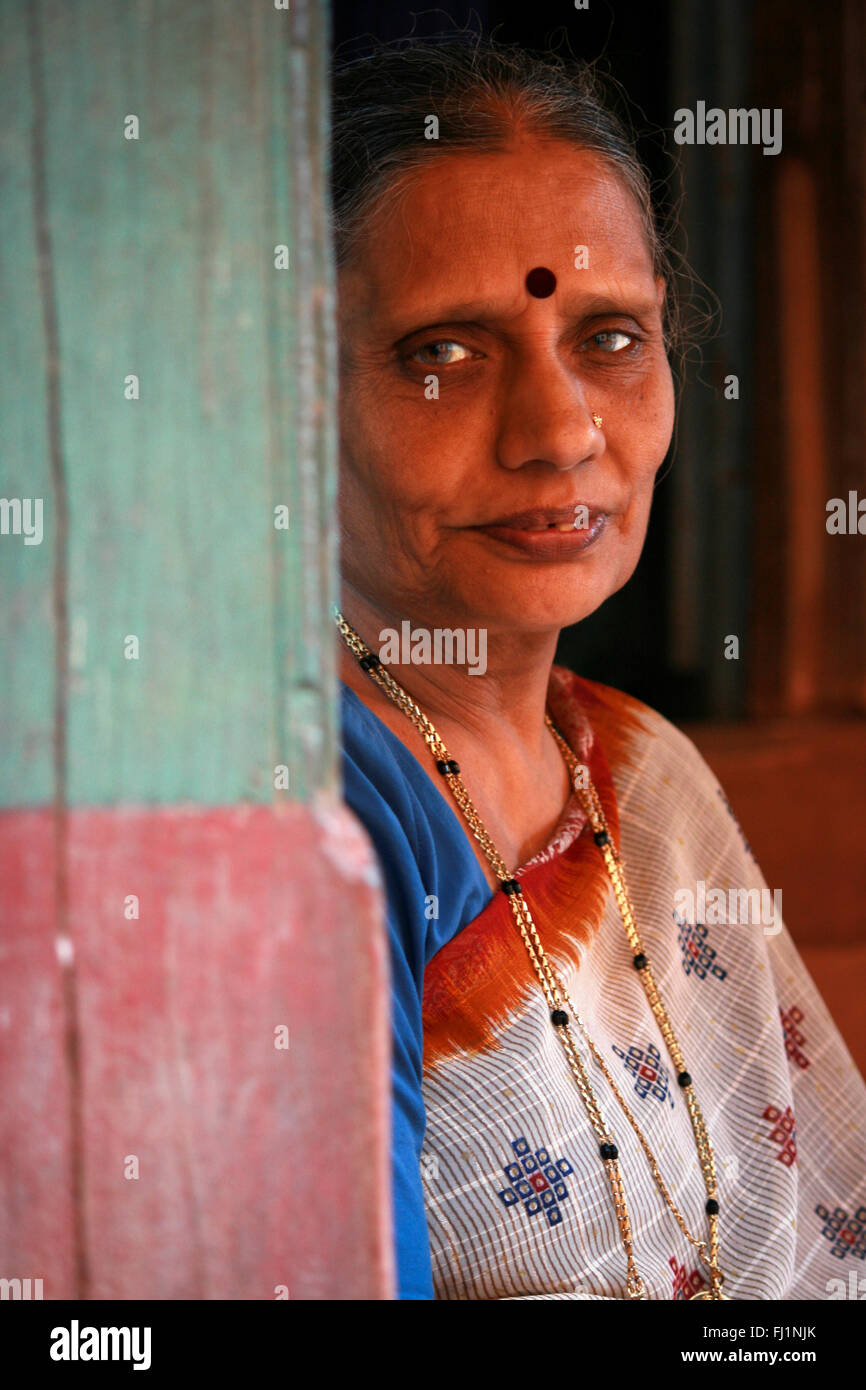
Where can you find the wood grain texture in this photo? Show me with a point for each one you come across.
(37, 1215)
(27, 619)
(797, 787)
(257, 1166)
(153, 1036)
(160, 259)
(807, 647)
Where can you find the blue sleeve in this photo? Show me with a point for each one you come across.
(388, 822)
(421, 846)
(414, 1273)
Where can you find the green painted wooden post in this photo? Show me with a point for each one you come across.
(164, 387)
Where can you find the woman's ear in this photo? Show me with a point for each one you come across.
(661, 289)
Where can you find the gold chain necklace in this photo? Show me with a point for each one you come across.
(554, 988)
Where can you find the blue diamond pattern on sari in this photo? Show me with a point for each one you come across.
(536, 1181)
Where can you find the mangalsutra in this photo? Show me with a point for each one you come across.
(556, 993)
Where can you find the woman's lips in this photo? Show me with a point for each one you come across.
(558, 542)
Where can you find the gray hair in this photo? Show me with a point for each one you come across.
(483, 93)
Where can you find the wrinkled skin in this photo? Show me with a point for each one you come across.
(437, 285)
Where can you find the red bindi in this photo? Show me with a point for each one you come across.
(541, 282)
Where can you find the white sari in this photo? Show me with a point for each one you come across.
(517, 1197)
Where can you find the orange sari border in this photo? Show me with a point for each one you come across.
(484, 975)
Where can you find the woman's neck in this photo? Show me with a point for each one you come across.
(493, 725)
(503, 704)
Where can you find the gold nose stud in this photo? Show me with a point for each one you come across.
(597, 421)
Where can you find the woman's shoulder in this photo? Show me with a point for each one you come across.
(378, 768)
(382, 782)
(420, 842)
(622, 724)
(659, 772)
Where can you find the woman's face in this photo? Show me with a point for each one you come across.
(437, 289)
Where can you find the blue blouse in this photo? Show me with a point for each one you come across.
(428, 868)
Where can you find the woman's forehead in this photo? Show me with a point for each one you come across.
(471, 227)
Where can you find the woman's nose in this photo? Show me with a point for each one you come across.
(545, 417)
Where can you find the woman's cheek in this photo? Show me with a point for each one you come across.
(660, 406)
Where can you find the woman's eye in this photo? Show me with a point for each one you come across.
(444, 352)
(613, 340)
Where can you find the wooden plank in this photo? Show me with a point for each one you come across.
(162, 266)
(148, 785)
(27, 572)
(707, 491)
(795, 785)
(221, 1157)
(804, 492)
(37, 1214)
(808, 640)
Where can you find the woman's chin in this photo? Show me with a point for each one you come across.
(553, 593)
(539, 605)
(531, 617)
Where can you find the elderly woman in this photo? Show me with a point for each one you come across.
(597, 1094)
